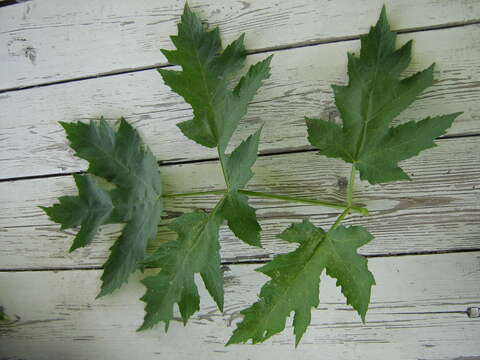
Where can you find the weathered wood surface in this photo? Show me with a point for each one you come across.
(418, 311)
(43, 41)
(418, 308)
(33, 143)
(438, 211)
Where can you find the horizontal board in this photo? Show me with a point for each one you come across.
(43, 41)
(439, 210)
(418, 311)
(34, 144)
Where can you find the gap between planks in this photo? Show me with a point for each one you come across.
(249, 52)
(207, 160)
(253, 262)
(418, 310)
(300, 87)
(438, 211)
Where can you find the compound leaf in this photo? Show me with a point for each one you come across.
(295, 279)
(131, 171)
(374, 96)
(204, 83)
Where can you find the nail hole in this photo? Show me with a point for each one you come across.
(473, 312)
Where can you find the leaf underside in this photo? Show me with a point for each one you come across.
(133, 195)
(295, 280)
(205, 83)
(370, 101)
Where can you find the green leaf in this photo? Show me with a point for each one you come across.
(241, 216)
(295, 280)
(348, 267)
(204, 81)
(239, 163)
(374, 96)
(196, 250)
(3, 317)
(122, 160)
(90, 209)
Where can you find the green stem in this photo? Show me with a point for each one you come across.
(351, 184)
(294, 199)
(221, 156)
(340, 219)
(198, 193)
(359, 210)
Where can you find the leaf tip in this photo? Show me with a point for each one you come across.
(363, 315)
(363, 211)
(384, 10)
(72, 249)
(298, 337)
(241, 38)
(233, 340)
(103, 291)
(45, 209)
(456, 114)
(63, 124)
(382, 20)
(220, 304)
(430, 69)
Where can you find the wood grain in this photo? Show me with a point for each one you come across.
(419, 305)
(32, 143)
(50, 40)
(417, 312)
(438, 211)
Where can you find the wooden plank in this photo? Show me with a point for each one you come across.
(438, 211)
(34, 144)
(417, 312)
(44, 41)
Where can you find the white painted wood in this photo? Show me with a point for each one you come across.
(418, 311)
(418, 307)
(438, 211)
(32, 143)
(49, 40)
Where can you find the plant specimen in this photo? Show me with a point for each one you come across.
(123, 183)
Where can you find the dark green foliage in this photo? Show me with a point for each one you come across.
(374, 96)
(205, 83)
(134, 198)
(296, 278)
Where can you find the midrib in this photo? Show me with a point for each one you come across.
(180, 270)
(288, 289)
